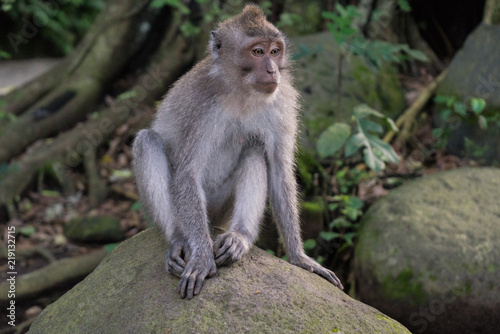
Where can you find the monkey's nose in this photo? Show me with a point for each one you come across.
(272, 73)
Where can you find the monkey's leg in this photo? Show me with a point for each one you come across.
(250, 201)
(152, 173)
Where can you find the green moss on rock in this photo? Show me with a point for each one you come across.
(435, 240)
(130, 292)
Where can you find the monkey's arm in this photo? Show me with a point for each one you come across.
(283, 197)
(194, 236)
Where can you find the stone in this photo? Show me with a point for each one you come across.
(130, 292)
(475, 72)
(428, 253)
(315, 71)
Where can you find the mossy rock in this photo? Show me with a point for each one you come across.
(428, 253)
(316, 71)
(475, 72)
(94, 229)
(130, 292)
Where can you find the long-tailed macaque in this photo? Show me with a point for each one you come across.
(223, 139)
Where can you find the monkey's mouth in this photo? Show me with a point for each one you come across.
(267, 86)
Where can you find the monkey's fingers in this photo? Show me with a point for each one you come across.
(228, 249)
(228, 255)
(199, 282)
(174, 268)
(175, 263)
(186, 277)
(329, 276)
(192, 281)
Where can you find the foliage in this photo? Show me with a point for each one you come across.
(404, 5)
(63, 23)
(301, 18)
(452, 111)
(5, 55)
(352, 41)
(366, 138)
(346, 206)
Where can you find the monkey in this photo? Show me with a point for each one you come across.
(222, 143)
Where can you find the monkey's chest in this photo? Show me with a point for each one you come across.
(223, 163)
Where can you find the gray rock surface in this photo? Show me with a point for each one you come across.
(475, 72)
(428, 253)
(316, 70)
(130, 292)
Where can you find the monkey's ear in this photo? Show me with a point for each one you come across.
(215, 43)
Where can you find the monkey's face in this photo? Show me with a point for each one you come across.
(261, 62)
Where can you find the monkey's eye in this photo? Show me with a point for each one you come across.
(258, 52)
(275, 52)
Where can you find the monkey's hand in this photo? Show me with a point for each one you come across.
(229, 247)
(312, 266)
(177, 256)
(198, 267)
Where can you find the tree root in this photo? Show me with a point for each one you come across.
(52, 275)
(173, 57)
(406, 121)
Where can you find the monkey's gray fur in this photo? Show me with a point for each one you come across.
(222, 141)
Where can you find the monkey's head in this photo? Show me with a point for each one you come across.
(250, 47)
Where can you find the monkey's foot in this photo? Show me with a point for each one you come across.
(198, 268)
(229, 247)
(312, 266)
(177, 257)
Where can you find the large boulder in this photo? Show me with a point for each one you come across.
(475, 72)
(428, 253)
(130, 292)
(316, 77)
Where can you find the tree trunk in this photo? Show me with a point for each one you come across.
(173, 57)
(107, 50)
(102, 54)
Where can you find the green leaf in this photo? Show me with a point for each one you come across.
(328, 236)
(369, 126)
(363, 111)
(120, 174)
(352, 213)
(340, 222)
(50, 193)
(309, 244)
(445, 114)
(332, 139)
(5, 55)
(354, 202)
(349, 236)
(460, 108)
(404, 5)
(387, 152)
(109, 247)
(372, 161)
(353, 144)
(417, 55)
(333, 206)
(477, 105)
(136, 206)
(27, 230)
(442, 99)
(391, 124)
